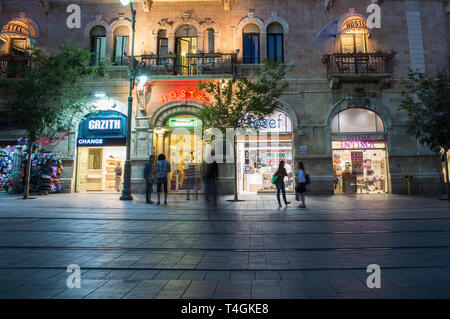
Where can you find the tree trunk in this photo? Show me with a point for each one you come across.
(26, 186)
(446, 174)
(235, 169)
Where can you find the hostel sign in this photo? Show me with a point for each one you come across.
(183, 94)
(354, 23)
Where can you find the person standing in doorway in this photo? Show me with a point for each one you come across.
(162, 169)
(301, 184)
(118, 170)
(149, 171)
(281, 173)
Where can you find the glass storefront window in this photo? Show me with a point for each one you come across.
(259, 156)
(360, 171)
(357, 120)
(259, 160)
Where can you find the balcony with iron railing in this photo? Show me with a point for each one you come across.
(191, 65)
(358, 66)
(12, 66)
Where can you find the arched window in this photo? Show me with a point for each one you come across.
(210, 39)
(163, 42)
(121, 40)
(251, 44)
(275, 49)
(163, 46)
(98, 44)
(357, 120)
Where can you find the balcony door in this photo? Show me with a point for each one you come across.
(186, 42)
(185, 65)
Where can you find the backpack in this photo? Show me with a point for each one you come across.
(307, 179)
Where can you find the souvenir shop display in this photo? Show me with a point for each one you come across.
(6, 165)
(13, 160)
(39, 161)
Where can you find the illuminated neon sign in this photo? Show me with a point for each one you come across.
(90, 141)
(183, 122)
(104, 125)
(187, 94)
(355, 144)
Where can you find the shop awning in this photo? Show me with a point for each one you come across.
(19, 33)
(352, 23)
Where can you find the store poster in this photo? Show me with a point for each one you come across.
(357, 162)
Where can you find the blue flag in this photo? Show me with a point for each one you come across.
(326, 34)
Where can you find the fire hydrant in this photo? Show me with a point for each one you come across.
(408, 178)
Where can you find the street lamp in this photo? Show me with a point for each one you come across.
(126, 191)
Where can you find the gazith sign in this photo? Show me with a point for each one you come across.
(106, 128)
(105, 125)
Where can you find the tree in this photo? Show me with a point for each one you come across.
(50, 97)
(238, 104)
(427, 103)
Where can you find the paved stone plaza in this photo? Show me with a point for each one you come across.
(249, 249)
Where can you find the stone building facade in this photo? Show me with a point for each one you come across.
(340, 115)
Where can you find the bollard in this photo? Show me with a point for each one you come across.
(408, 178)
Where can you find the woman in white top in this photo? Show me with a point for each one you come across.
(301, 184)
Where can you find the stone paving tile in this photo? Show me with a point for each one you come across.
(278, 267)
(168, 275)
(218, 275)
(193, 275)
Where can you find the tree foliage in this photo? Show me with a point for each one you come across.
(427, 103)
(237, 104)
(50, 97)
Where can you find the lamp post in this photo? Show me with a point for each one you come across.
(126, 190)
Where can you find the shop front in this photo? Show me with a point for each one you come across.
(101, 152)
(178, 141)
(258, 156)
(360, 158)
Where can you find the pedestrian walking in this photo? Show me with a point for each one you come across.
(302, 181)
(45, 178)
(281, 174)
(189, 182)
(162, 169)
(210, 175)
(149, 171)
(118, 170)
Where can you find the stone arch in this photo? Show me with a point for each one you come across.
(160, 116)
(349, 102)
(211, 25)
(250, 20)
(160, 26)
(286, 108)
(93, 23)
(275, 18)
(117, 22)
(190, 21)
(362, 102)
